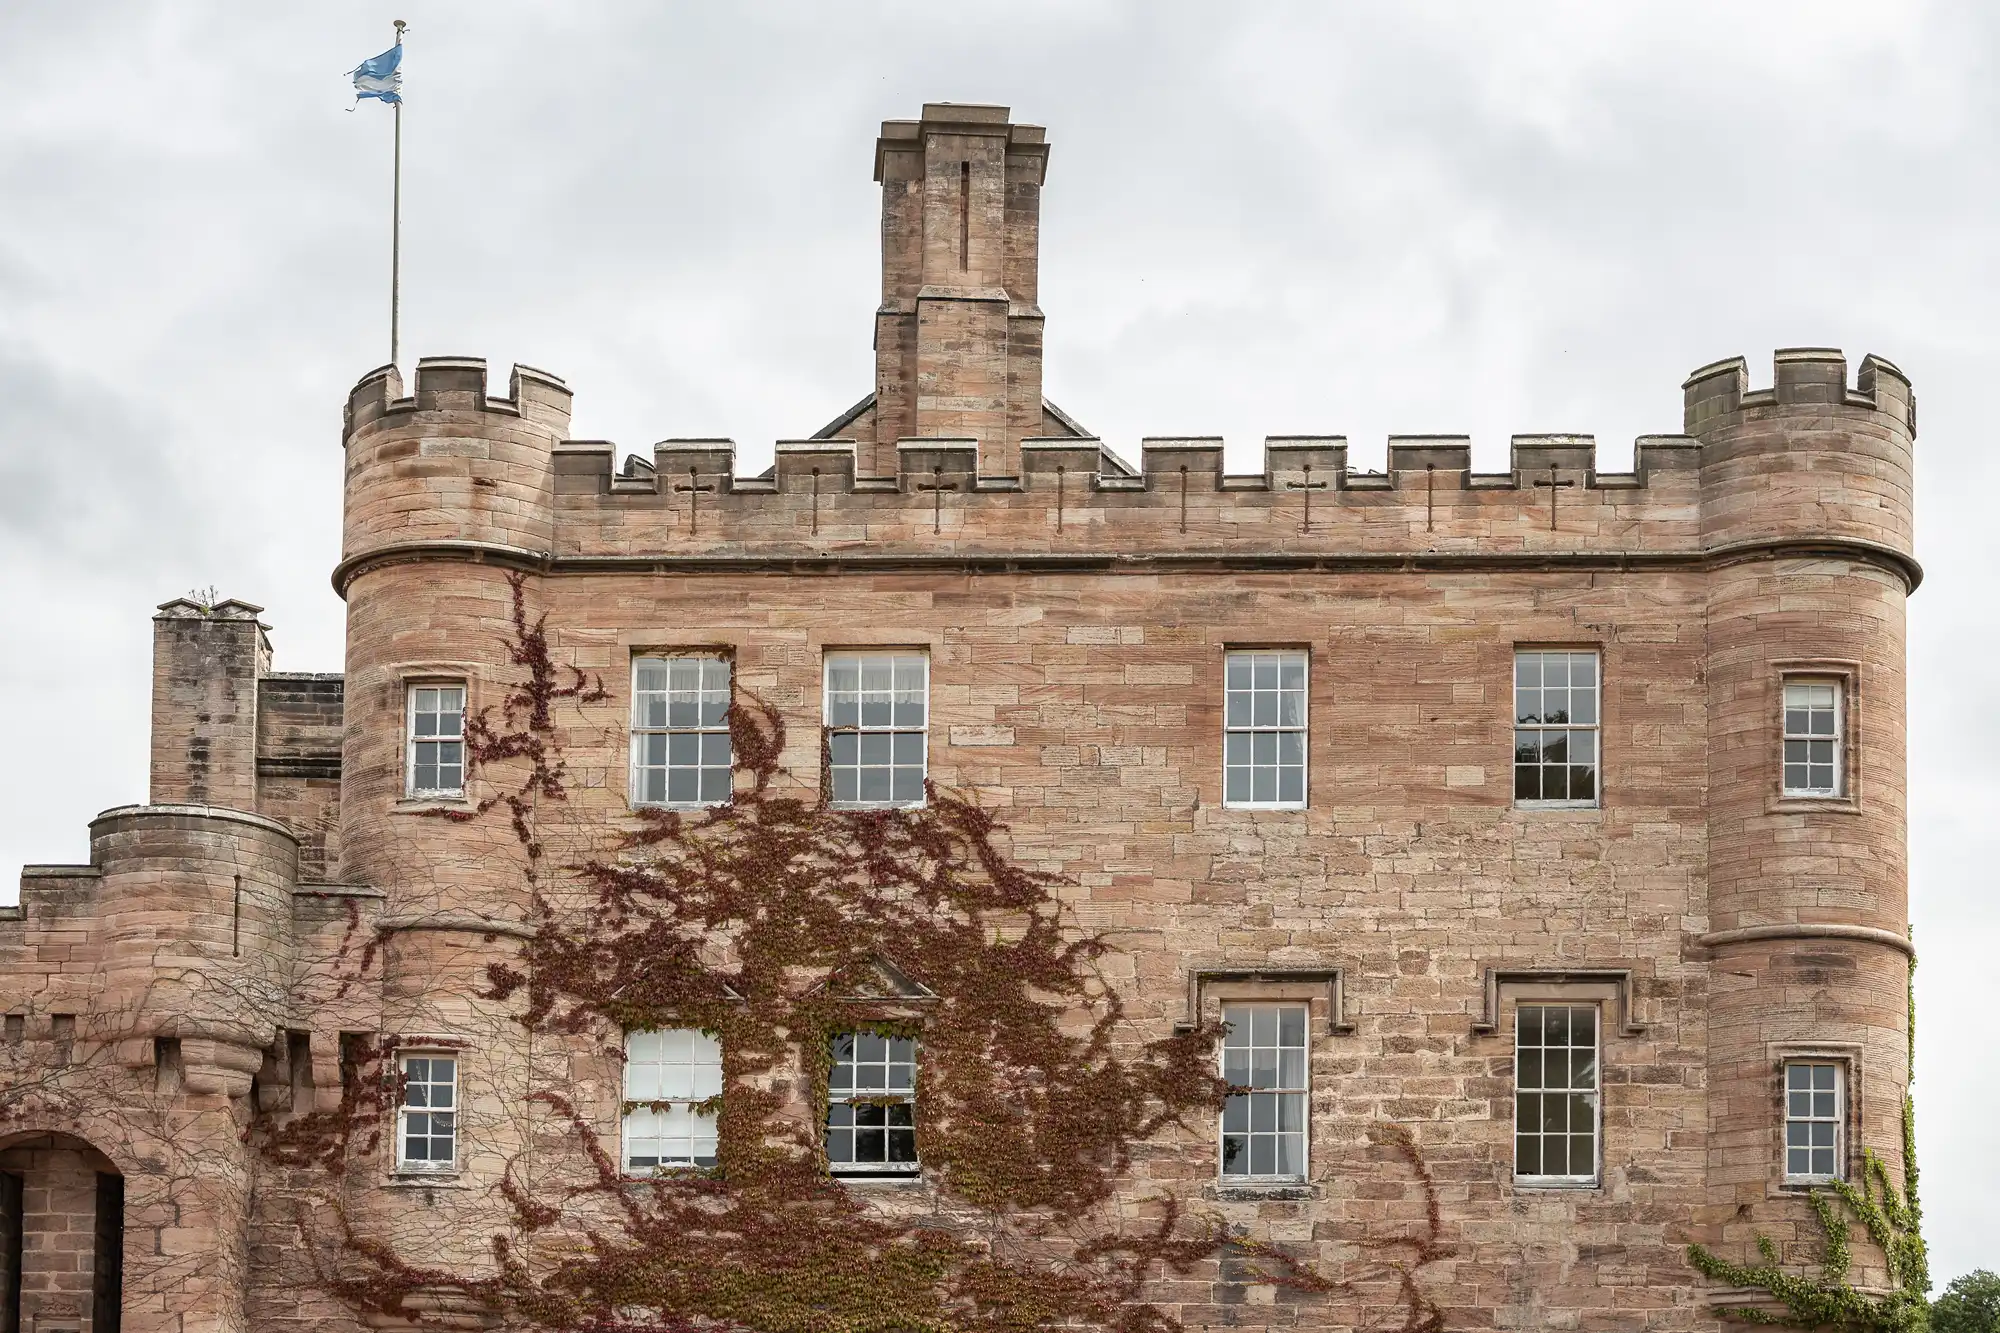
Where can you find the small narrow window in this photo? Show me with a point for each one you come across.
(680, 731)
(1812, 738)
(871, 1113)
(964, 215)
(1264, 1064)
(1264, 729)
(672, 1077)
(877, 706)
(1555, 729)
(437, 740)
(1813, 1121)
(428, 1133)
(1556, 1094)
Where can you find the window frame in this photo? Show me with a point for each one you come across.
(405, 1164)
(1842, 1073)
(851, 1095)
(1303, 1092)
(1595, 727)
(1839, 685)
(411, 687)
(649, 1106)
(1594, 1095)
(860, 656)
(637, 733)
(1303, 730)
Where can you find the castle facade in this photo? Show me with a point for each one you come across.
(1525, 852)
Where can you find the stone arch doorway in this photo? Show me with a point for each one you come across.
(62, 1236)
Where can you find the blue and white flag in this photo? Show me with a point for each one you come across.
(381, 77)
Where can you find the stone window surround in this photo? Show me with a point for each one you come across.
(1219, 691)
(1848, 1055)
(626, 1169)
(1320, 990)
(829, 650)
(401, 1173)
(1602, 728)
(726, 652)
(1847, 675)
(1610, 991)
(405, 677)
(1304, 1091)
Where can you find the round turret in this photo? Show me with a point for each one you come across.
(197, 928)
(450, 464)
(1805, 511)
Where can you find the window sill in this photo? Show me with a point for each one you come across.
(1261, 1191)
(418, 805)
(1833, 805)
(426, 1180)
(1790, 1187)
(875, 805)
(1264, 805)
(1555, 1184)
(1580, 807)
(887, 1179)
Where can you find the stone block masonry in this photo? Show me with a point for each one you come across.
(292, 900)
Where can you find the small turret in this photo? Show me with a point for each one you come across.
(207, 661)
(449, 463)
(958, 337)
(1805, 515)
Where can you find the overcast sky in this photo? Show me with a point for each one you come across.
(1259, 219)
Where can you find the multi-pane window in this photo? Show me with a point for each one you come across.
(669, 1075)
(1813, 1120)
(1555, 1097)
(437, 740)
(1555, 727)
(871, 1113)
(1812, 738)
(680, 730)
(1264, 729)
(876, 710)
(1264, 1064)
(427, 1136)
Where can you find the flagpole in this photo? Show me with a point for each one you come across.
(396, 231)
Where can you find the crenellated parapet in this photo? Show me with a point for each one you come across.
(449, 469)
(448, 462)
(1807, 456)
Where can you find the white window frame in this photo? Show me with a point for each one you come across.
(1276, 727)
(405, 1110)
(1788, 736)
(1593, 1096)
(1838, 1119)
(411, 740)
(1299, 1088)
(838, 1098)
(860, 728)
(1594, 728)
(646, 1072)
(704, 730)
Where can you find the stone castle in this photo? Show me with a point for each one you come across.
(1554, 816)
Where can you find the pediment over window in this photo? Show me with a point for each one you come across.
(873, 978)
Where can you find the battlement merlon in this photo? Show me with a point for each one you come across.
(1026, 143)
(1802, 377)
(457, 384)
(1811, 466)
(829, 466)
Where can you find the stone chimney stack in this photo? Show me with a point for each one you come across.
(958, 337)
(207, 661)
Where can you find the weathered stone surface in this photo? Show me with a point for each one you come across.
(199, 977)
